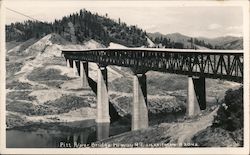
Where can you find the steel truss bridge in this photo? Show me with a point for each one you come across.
(196, 64)
(216, 64)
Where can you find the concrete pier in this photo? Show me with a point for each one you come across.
(75, 138)
(67, 63)
(71, 63)
(84, 137)
(200, 89)
(102, 96)
(78, 67)
(139, 105)
(75, 68)
(102, 131)
(193, 107)
(84, 73)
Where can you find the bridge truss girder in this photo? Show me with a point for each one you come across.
(216, 65)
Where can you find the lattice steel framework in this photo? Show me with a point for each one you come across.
(222, 64)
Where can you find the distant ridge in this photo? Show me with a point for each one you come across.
(225, 42)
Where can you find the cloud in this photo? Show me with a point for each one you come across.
(214, 26)
(150, 26)
(234, 28)
(234, 34)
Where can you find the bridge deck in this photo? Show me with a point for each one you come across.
(157, 50)
(222, 64)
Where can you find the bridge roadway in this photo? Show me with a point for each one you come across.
(196, 64)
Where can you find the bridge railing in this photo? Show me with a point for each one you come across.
(222, 64)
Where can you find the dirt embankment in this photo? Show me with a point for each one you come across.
(36, 90)
(173, 134)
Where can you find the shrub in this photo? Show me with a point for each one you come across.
(230, 113)
(43, 74)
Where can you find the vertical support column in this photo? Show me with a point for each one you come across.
(83, 138)
(71, 63)
(75, 68)
(102, 131)
(78, 67)
(196, 96)
(139, 107)
(75, 137)
(67, 63)
(102, 96)
(200, 90)
(84, 73)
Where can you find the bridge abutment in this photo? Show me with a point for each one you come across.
(84, 73)
(139, 106)
(102, 96)
(196, 100)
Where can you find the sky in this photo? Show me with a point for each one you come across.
(207, 21)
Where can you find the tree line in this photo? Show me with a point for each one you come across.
(195, 41)
(167, 43)
(84, 25)
(164, 42)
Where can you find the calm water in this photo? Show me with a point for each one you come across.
(76, 134)
(54, 135)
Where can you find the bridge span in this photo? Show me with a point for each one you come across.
(196, 64)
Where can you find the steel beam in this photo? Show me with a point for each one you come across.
(227, 65)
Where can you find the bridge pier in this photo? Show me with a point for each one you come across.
(102, 130)
(200, 88)
(84, 73)
(67, 63)
(75, 137)
(139, 106)
(70, 63)
(102, 96)
(75, 68)
(196, 100)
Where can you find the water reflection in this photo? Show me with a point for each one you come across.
(76, 134)
(58, 136)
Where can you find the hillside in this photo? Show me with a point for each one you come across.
(80, 27)
(174, 134)
(168, 40)
(227, 42)
(37, 90)
(174, 40)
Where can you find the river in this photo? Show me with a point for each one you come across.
(74, 134)
(56, 135)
